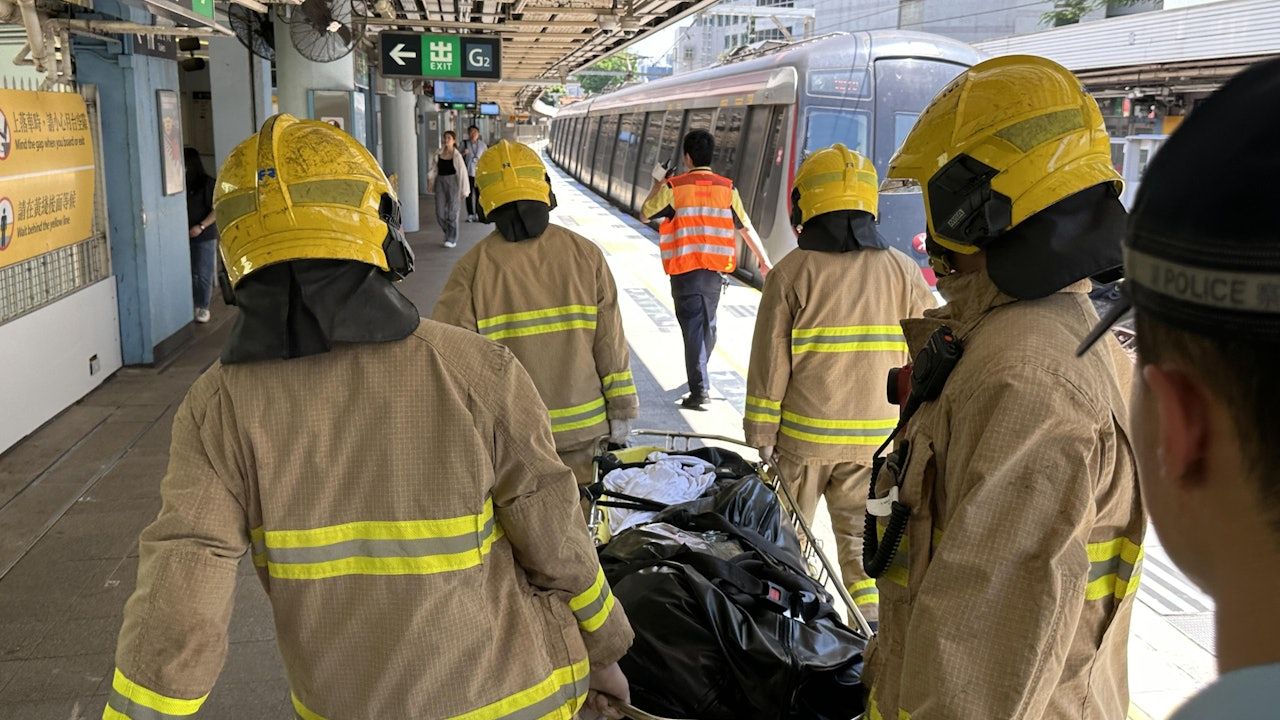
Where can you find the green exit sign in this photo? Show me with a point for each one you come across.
(468, 57)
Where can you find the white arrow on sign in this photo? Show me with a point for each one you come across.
(398, 53)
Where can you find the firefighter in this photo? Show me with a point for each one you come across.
(420, 543)
(1203, 275)
(1006, 525)
(702, 216)
(547, 294)
(829, 317)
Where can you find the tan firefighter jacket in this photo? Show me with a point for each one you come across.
(826, 335)
(552, 300)
(421, 545)
(1011, 594)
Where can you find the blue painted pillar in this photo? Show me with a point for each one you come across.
(150, 255)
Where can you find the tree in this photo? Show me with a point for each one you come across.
(1067, 12)
(623, 62)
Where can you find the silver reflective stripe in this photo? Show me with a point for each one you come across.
(563, 696)
(532, 322)
(1118, 566)
(685, 232)
(134, 711)
(585, 613)
(835, 432)
(795, 341)
(690, 249)
(705, 212)
(383, 548)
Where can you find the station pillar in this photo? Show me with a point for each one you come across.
(400, 150)
(296, 76)
(240, 83)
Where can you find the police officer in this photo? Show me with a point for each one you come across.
(547, 294)
(702, 216)
(1203, 267)
(407, 516)
(829, 318)
(1007, 533)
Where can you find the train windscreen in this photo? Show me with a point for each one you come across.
(827, 126)
(904, 86)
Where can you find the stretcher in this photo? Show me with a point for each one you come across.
(818, 565)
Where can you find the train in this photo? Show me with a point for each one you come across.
(767, 113)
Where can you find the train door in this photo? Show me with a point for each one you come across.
(587, 161)
(624, 157)
(728, 131)
(751, 156)
(650, 146)
(693, 120)
(769, 188)
(668, 150)
(602, 160)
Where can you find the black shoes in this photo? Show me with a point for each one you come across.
(695, 402)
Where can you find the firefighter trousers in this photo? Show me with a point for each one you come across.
(844, 485)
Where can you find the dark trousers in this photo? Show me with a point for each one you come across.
(472, 205)
(697, 295)
(204, 259)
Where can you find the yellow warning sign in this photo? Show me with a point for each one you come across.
(46, 173)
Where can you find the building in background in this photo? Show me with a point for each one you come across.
(734, 23)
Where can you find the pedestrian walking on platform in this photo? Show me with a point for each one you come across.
(420, 543)
(702, 216)
(447, 178)
(472, 148)
(826, 336)
(1203, 267)
(202, 232)
(548, 295)
(1005, 528)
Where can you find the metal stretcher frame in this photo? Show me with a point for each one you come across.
(820, 567)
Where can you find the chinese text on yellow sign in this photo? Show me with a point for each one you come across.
(46, 173)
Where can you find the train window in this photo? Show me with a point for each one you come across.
(728, 131)
(667, 151)
(633, 158)
(827, 126)
(587, 159)
(904, 86)
(649, 151)
(628, 137)
(603, 157)
(747, 174)
(771, 175)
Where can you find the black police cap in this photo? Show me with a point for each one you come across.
(1202, 252)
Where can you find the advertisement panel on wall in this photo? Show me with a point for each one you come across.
(46, 173)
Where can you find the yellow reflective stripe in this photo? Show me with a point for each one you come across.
(873, 712)
(761, 417)
(586, 597)
(536, 314)
(542, 329)
(1115, 568)
(864, 592)
(302, 710)
(380, 530)
(258, 543)
(594, 622)
(885, 424)
(579, 424)
(846, 330)
(421, 565)
(764, 402)
(577, 409)
(565, 689)
(618, 384)
(871, 346)
(134, 693)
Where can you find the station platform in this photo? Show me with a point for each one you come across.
(75, 495)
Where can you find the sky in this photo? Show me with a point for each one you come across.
(662, 41)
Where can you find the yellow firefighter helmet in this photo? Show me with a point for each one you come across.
(510, 171)
(302, 190)
(1006, 139)
(834, 178)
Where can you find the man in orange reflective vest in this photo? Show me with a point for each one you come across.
(702, 215)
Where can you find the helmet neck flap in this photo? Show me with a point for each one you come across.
(304, 307)
(841, 231)
(521, 220)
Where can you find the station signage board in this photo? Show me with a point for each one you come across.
(47, 173)
(420, 55)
